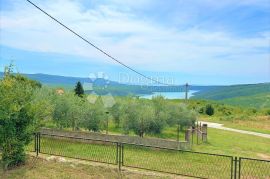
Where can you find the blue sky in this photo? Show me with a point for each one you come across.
(197, 41)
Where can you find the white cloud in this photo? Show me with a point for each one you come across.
(137, 42)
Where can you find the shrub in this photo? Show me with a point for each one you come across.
(209, 110)
(17, 119)
(268, 112)
(201, 110)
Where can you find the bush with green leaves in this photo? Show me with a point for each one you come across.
(268, 112)
(18, 116)
(209, 110)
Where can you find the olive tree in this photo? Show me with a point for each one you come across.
(68, 110)
(129, 114)
(160, 115)
(115, 111)
(93, 117)
(138, 116)
(42, 107)
(181, 116)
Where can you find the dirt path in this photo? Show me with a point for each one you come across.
(220, 126)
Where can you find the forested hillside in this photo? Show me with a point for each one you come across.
(233, 91)
(253, 95)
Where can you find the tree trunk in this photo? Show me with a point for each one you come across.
(178, 132)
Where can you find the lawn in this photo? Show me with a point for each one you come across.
(236, 144)
(43, 169)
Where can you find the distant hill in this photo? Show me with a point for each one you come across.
(64, 81)
(224, 92)
(261, 100)
(252, 95)
(112, 87)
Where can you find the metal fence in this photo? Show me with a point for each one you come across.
(180, 162)
(186, 163)
(79, 148)
(253, 168)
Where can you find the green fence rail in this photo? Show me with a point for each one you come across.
(180, 162)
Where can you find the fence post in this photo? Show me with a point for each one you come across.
(235, 167)
(204, 132)
(232, 167)
(197, 132)
(119, 156)
(35, 143)
(122, 155)
(239, 167)
(39, 142)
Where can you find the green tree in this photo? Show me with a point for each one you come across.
(115, 111)
(68, 110)
(93, 116)
(17, 119)
(137, 116)
(209, 110)
(181, 116)
(129, 114)
(42, 105)
(144, 120)
(79, 91)
(160, 115)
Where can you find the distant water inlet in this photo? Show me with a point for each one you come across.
(169, 95)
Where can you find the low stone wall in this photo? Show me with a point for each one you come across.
(155, 142)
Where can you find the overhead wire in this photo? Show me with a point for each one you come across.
(96, 47)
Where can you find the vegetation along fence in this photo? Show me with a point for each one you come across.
(180, 162)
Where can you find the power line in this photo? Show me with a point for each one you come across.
(96, 47)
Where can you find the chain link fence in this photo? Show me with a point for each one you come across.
(180, 162)
(254, 168)
(185, 163)
(79, 148)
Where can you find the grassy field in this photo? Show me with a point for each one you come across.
(256, 124)
(42, 169)
(236, 144)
